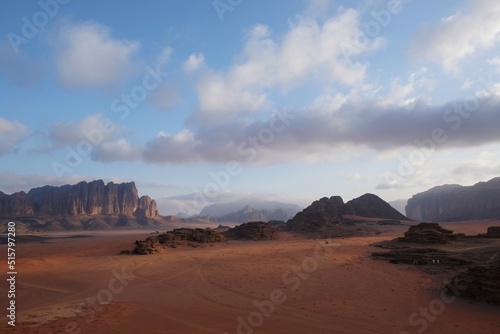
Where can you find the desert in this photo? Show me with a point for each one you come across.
(250, 167)
(318, 286)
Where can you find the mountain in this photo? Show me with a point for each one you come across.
(455, 202)
(372, 206)
(248, 214)
(222, 209)
(400, 205)
(328, 213)
(321, 214)
(82, 199)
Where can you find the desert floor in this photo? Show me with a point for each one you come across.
(316, 286)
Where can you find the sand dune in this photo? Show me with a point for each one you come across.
(284, 286)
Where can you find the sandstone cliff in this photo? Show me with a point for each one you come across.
(93, 198)
(455, 202)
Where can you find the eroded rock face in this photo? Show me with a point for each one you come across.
(177, 237)
(456, 203)
(92, 198)
(429, 233)
(252, 231)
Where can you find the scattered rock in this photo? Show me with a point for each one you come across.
(124, 252)
(177, 237)
(389, 222)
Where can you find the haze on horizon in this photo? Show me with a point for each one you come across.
(204, 103)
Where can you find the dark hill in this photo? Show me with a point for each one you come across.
(372, 206)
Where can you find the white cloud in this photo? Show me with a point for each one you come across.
(194, 62)
(12, 133)
(310, 50)
(459, 36)
(406, 93)
(119, 150)
(88, 56)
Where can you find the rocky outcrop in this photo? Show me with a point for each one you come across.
(429, 233)
(456, 203)
(92, 198)
(372, 206)
(480, 283)
(176, 238)
(321, 214)
(252, 231)
(493, 232)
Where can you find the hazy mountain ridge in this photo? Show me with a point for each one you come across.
(223, 209)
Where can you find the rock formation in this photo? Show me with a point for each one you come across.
(93, 198)
(321, 214)
(493, 232)
(177, 237)
(328, 213)
(456, 203)
(429, 233)
(252, 231)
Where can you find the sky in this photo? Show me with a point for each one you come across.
(202, 101)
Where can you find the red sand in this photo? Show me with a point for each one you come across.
(207, 289)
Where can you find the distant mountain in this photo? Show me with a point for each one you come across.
(222, 209)
(400, 205)
(455, 202)
(248, 214)
(182, 215)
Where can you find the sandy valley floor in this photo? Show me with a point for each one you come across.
(228, 289)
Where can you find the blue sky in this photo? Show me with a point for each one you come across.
(210, 101)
